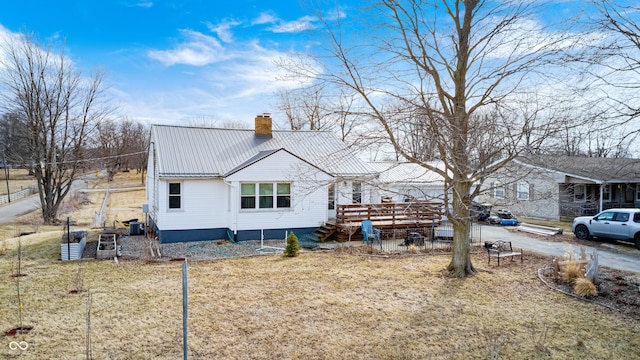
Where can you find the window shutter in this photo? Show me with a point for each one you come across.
(531, 191)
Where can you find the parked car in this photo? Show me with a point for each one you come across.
(617, 224)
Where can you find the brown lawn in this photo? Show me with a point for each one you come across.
(332, 305)
(314, 306)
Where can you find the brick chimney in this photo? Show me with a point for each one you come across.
(263, 125)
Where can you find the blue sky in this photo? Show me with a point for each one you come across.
(175, 61)
(191, 61)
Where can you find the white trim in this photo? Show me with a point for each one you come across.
(498, 185)
(274, 196)
(519, 185)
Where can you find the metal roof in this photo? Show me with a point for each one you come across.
(408, 173)
(211, 152)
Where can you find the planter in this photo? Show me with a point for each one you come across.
(75, 246)
(107, 247)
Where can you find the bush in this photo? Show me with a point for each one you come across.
(572, 272)
(292, 246)
(585, 288)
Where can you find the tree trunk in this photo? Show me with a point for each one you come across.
(460, 264)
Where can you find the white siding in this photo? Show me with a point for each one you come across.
(397, 192)
(308, 194)
(344, 192)
(204, 205)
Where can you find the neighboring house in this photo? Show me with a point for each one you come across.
(207, 183)
(562, 187)
(405, 182)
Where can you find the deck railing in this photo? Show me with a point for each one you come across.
(417, 213)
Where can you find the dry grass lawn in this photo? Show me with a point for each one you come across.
(330, 305)
(18, 179)
(314, 306)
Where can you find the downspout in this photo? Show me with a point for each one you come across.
(232, 209)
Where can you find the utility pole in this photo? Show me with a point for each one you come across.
(6, 175)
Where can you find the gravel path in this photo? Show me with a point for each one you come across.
(137, 247)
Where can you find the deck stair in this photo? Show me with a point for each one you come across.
(325, 232)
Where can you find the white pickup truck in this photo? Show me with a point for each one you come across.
(617, 224)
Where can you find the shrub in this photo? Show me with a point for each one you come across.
(585, 288)
(292, 246)
(572, 271)
(412, 249)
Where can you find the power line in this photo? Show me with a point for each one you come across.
(80, 160)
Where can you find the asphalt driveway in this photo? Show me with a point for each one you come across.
(521, 240)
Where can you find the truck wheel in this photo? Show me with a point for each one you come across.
(582, 232)
(637, 240)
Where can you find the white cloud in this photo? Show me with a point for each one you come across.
(303, 24)
(141, 3)
(223, 30)
(198, 50)
(265, 18)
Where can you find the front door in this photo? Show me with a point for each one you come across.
(331, 202)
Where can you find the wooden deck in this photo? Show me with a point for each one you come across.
(420, 214)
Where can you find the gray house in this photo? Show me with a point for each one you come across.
(562, 187)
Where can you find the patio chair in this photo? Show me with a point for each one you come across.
(369, 233)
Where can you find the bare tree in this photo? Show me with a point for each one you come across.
(110, 147)
(317, 107)
(457, 67)
(60, 108)
(14, 138)
(122, 145)
(621, 55)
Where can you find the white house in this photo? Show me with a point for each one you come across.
(208, 183)
(404, 182)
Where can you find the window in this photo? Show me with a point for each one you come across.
(357, 192)
(498, 190)
(265, 195)
(523, 191)
(332, 196)
(622, 217)
(607, 216)
(637, 192)
(283, 191)
(579, 193)
(174, 196)
(247, 196)
(606, 193)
